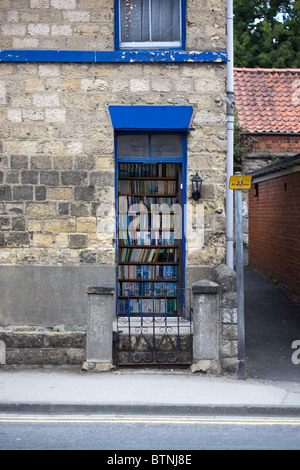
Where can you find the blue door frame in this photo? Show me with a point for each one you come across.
(181, 160)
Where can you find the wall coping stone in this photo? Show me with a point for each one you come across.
(225, 277)
(205, 287)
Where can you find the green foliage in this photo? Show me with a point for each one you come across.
(266, 33)
(238, 145)
(273, 279)
(242, 144)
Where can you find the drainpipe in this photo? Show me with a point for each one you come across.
(230, 135)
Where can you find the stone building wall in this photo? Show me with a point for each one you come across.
(89, 25)
(57, 161)
(57, 168)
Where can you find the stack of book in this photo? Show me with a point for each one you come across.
(147, 289)
(145, 237)
(147, 187)
(137, 203)
(147, 221)
(144, 306)
(142, 255)
(142, 170)
(147, 271)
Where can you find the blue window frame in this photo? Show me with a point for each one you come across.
(150, 148)
(149, 24)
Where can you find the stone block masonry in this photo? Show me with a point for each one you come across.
(89, 25)
(57, 163)
(215, 337)
(57, 170)
(51, 177)
(42, 348)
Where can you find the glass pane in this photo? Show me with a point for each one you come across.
(133, 146)
(165, 20)
(134, 20)
(166, 146)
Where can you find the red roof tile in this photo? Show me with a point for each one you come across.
(268, 100)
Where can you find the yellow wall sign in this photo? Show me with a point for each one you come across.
(240, 182)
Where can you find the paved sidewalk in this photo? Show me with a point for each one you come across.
(272, 324)
(143, 391)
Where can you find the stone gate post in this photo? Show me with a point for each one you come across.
(215, 339)
(206, 321)
(99, 335)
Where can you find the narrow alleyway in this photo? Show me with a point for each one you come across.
(272, 323)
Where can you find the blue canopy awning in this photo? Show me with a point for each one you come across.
(151, 118)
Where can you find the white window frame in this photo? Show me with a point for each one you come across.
(151, 44)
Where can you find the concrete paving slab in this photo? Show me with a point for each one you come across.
(175, 392)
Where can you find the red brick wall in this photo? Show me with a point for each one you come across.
(279, 143)
(274, 230)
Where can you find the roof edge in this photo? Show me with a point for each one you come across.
(258, 69)
(270, 133)
(284, 164)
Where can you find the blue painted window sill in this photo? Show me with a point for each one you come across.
(125, 56)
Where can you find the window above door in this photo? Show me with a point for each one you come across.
(150, 147)
(150, 24)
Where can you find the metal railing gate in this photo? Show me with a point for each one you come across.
(155, 338)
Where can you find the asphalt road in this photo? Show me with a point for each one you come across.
(152, 433)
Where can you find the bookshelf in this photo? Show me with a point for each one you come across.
(149, 238)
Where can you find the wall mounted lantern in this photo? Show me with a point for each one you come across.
(196, 187)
